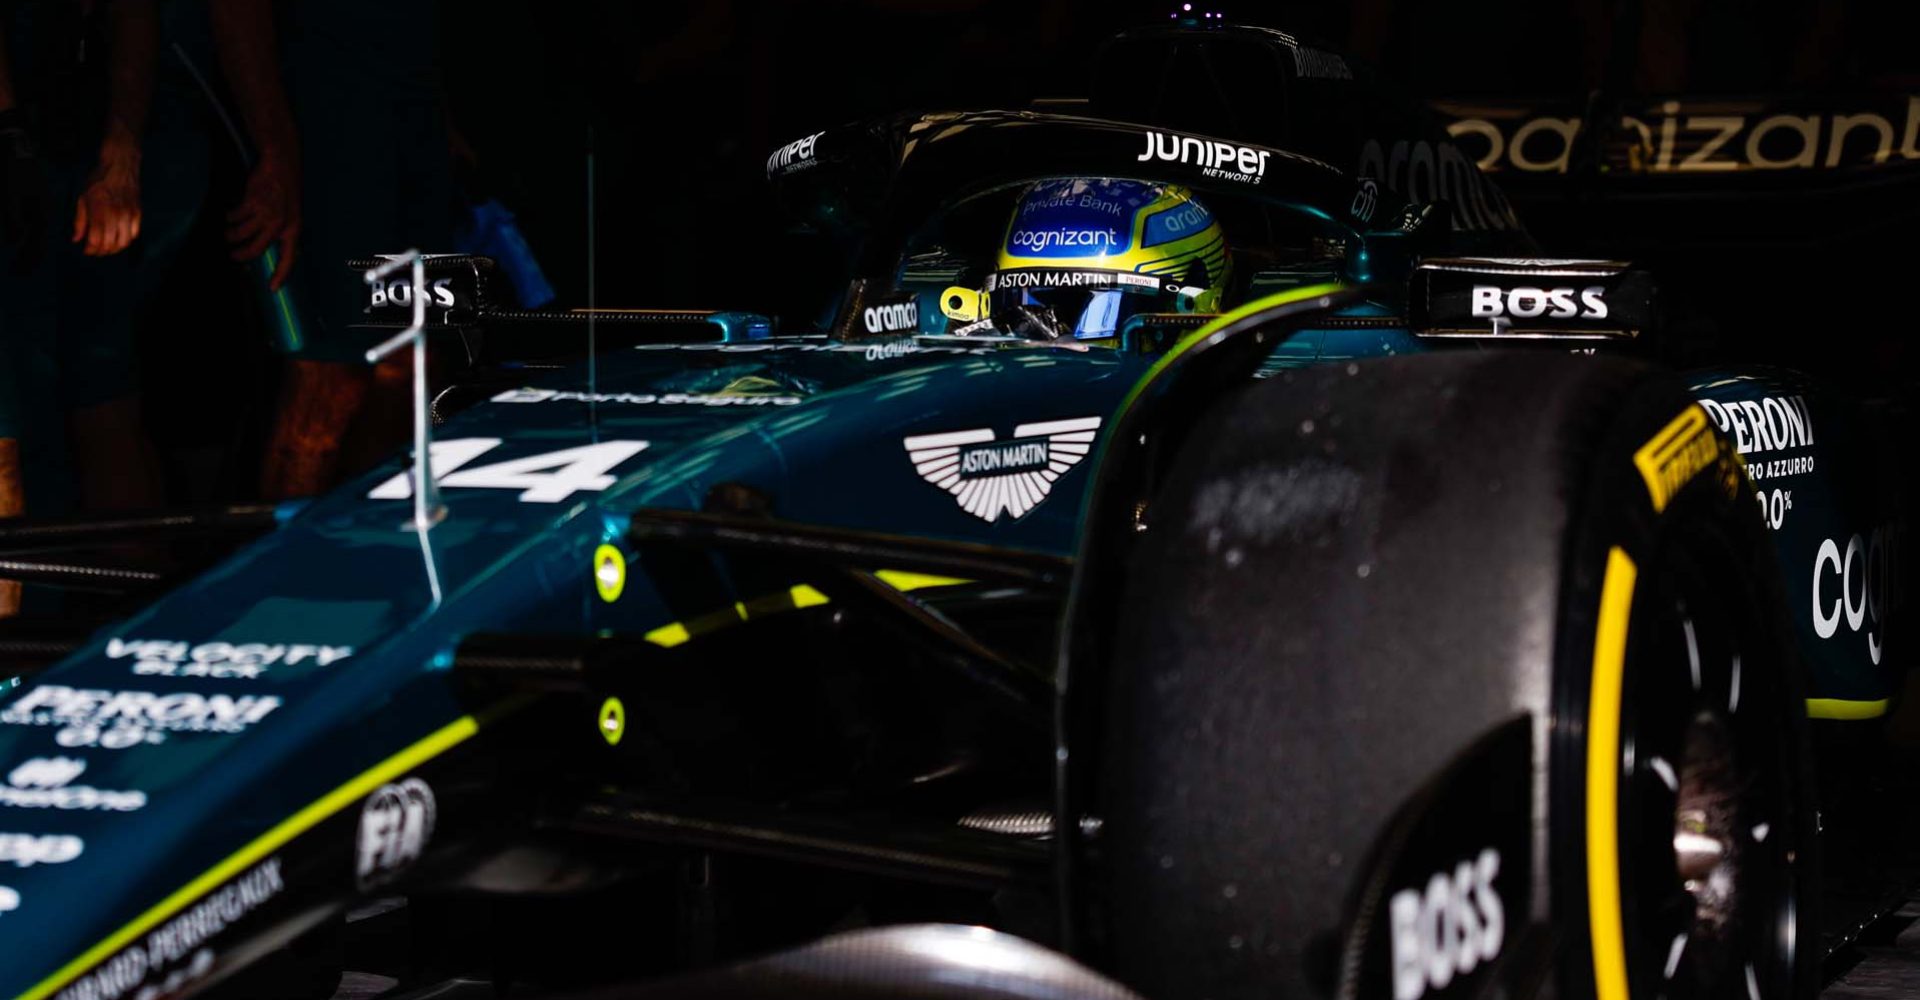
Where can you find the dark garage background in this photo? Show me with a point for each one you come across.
(679, 103)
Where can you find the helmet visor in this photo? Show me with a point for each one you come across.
(1086, 304)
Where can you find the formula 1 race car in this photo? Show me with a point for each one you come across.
(1205, 549)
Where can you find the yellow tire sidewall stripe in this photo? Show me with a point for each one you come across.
(1604, 922)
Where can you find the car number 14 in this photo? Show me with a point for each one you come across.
(545, 478)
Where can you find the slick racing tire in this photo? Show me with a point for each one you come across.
(1448, 675)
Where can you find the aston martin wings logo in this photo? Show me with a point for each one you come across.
(989, 477)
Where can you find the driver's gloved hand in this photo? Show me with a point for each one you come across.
(1035, 323)
(23, 192)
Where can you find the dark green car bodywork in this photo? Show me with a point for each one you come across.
(254, 709)
(245, 757)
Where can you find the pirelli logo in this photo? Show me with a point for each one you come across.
(1682, 450)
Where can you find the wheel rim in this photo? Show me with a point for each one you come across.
(1710, 814)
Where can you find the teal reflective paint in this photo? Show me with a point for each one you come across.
(316, 652)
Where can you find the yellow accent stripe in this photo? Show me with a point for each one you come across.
(802, 596)
(903, 581)
(1840, 708)
(669, 635)
(1603, 779)
(293, 826)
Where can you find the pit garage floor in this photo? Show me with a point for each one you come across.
(1883, 963)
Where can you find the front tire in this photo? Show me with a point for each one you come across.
(1352, 580)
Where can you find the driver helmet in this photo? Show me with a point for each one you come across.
(1085, 254)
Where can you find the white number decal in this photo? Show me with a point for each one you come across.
(447, 456)
(548, 478)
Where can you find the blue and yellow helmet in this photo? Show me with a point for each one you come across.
(1090, 252)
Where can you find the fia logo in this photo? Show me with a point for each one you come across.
(395, 824)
